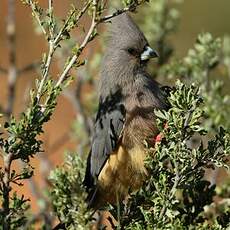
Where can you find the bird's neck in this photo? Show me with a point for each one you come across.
(116, 75)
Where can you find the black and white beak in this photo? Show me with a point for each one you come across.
(148, 53)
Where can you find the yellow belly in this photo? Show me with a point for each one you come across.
(123, 171)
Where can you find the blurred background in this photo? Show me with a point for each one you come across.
(71, 124)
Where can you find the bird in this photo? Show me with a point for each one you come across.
(125, 119)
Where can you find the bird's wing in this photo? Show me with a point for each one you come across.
(108, 130)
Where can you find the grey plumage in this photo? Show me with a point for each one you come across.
(125, 118)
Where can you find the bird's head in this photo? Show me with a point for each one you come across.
(127, 52)
(128, 42)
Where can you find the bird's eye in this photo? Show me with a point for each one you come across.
(132, 51)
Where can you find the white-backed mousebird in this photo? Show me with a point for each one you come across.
(125, 117)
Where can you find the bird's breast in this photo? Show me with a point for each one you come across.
(123, 171)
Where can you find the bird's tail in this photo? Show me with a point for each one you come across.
(91, 188)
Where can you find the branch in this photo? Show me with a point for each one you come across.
(51, 17)
(37, 17)
(6, 191)
(12, 72)
(53, 44)
(80, 14)
(47, 65)
(46, 69)
(82, 46)
(131, 7)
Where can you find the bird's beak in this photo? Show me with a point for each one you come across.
(148, 53)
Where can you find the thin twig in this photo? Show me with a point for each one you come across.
(46, 69)
(50, 8)
(50, 4)
(47, 65)
(82, 46)
(37, 17)
(121, 11)
(6, 191)
(80, 14)
(12, 71)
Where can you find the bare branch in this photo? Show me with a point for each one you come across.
(46, 69)
(51, 27)
(80, 14)
(35, 14)
(50, 4)
(52, 46)
(12, 72)
(82, 46)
